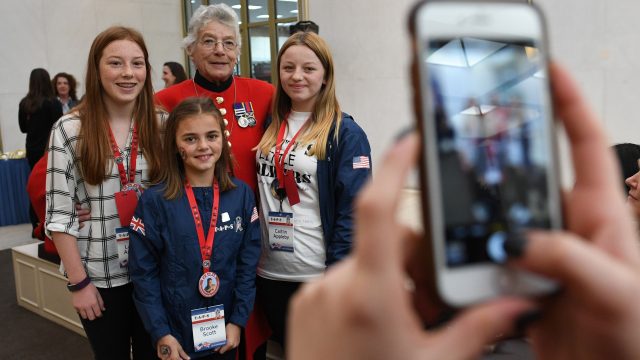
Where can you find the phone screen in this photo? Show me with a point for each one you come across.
(490, 112)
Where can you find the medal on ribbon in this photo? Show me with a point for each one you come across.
(244, 114)
(209, 284)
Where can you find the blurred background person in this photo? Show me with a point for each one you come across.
(36, 114)
(64, 86)
(627, 155)
(173, 73)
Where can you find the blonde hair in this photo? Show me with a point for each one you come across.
(326, 110)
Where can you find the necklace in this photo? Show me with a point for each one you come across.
(219, 100)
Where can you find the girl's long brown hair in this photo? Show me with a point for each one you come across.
(326, 110)
(172, 173)
(93, 145)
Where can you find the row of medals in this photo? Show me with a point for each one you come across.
(243, 120)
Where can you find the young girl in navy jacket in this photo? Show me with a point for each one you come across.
(195, 242)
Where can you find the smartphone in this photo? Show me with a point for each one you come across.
(488, 164)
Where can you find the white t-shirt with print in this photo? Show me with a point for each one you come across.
(307, 261)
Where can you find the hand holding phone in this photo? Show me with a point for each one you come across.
(489, 168)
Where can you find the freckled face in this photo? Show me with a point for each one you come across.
(123, 72)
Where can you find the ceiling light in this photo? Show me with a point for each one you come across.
(477, 110)
(473, 52)
(294, 11)
(251, 7)
(264, 16)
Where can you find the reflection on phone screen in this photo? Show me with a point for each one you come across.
(492, 140)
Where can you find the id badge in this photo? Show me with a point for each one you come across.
(122, 239)
(208, 327)
(126, 202)
(281, 227)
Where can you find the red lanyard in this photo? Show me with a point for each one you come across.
(119, 159)
(287, 180)
(206, 246)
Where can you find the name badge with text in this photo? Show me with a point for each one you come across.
(122, 239)
(208, 328)
(280, 231)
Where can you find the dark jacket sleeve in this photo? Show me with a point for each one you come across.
(54, 112)
(247, 262)
(352, 144)
(145, 249)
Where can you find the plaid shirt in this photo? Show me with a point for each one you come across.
(65, 186)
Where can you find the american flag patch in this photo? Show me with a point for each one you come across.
(254, 214)
(361, 162)
(137, 225)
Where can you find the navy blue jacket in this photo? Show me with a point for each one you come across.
(165, 263)
(339, 183)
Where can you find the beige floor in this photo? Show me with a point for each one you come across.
(14, 235)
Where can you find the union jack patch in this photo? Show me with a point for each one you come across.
(137, 225)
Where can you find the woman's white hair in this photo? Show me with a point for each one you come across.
(221, 13)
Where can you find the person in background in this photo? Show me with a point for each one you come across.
(304, 26)
(195, 240)
(348, 315)
(102, 155)
(629, 158)
(312, 161)
(173, 73)
(64, 86)
(37, 112)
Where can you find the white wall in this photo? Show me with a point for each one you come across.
(56, 35)
(598, 40)
(369, 42)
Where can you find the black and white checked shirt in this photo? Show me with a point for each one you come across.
(65, 186)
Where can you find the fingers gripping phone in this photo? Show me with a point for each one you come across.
(488, 162)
